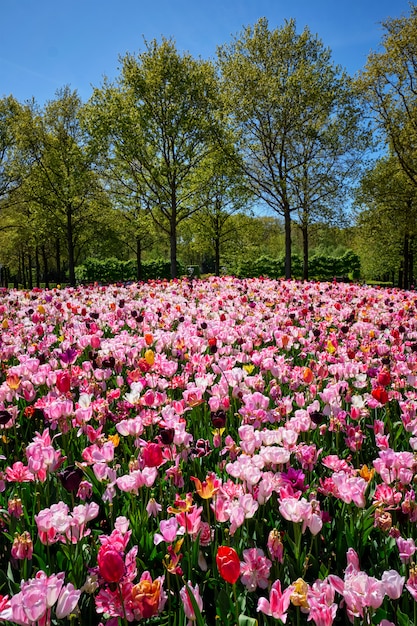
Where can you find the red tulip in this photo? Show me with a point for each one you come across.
(380, 394)
(228, 564)
(110, 564)
(152, 455)
(384, 378)
(63, 381)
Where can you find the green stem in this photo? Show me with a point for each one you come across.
(208, 511)
(236, 603)
(306, 560)
(297, 543)
(123, 605)
(169, 592)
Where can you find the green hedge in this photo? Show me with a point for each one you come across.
(114, 270)
(320, 267)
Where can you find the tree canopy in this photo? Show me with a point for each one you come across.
(295, 116)
(168, 158)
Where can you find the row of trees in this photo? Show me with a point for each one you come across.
(184, 153)
(386, 198)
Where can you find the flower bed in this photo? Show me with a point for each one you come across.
(209, 452)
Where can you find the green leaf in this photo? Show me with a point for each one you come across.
(379, 616)
(223, 606)
(198, 617)
(402, 619)
(244, 620)
(9, 572)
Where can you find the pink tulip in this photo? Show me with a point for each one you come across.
(169, 530)
(186, 602)
(393, 584)
(254, 569)
(406, 548)
(67, 601)
(278, 603)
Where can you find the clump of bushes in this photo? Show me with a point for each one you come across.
(114, 270)
(320, 267)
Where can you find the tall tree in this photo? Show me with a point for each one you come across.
(62, 182)
(158, 119)
(13, 162)
(223, 194)
(387, 221)
(388, 83)
(334, 158)
(119, 171)
(289, 104)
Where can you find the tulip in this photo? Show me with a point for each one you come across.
(5, 417)
(63, 381)
(22, 547)
(185, 595)
(228, 564)
(152, 455)
(71, 478)
(380, 394)
(146, 596)
(150, 357)
(208, 488)
(67, 601)
(110, 564)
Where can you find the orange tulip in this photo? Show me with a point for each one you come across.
(308, 375)
(146, 596)
(208, 487)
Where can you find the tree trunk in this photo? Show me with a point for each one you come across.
(70, 246)
(287, 226)
(45, 267)
(406, 262)
(138, 259)
(22, 274)
(304, 230)
(37, 267)
(30, 277)
(400, 276)
(217, 256)
(58, 259)
(173, 250)
(173, 235)
(411, 261)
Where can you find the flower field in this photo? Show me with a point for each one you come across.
(211, 452)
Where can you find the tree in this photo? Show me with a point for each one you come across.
(13, 166)
(158, 119)
(223, 194)
(333, 160)
(254, 236)
(387, 221)
(388, 83)
(62, 181)
(136, 229)
(293, 111)
(119, 170)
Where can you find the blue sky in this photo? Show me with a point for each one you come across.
(47, 44)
